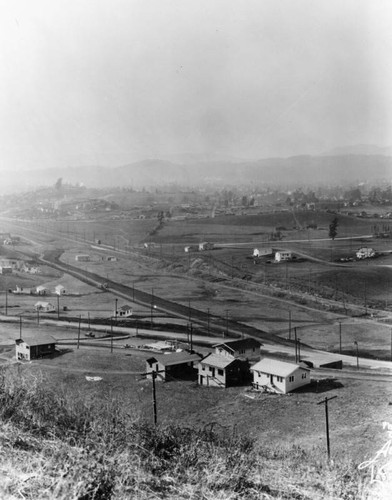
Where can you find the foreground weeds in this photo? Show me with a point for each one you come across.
(57, 447)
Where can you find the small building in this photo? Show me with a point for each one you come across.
(60, 290)
(44, 307)
(30, 347)
(278, 376)
(124, 311)
(216, 370)
(41, 290)
(247, 348)
(6, 270)
(365, 253)
(262, 252)
(21, 290)
(283, 255)
(82, 258)
(176, 365)
(191, 248)
(111, 258)
(205, 245)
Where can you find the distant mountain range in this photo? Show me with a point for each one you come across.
(340, 166)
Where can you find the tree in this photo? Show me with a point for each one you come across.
(59, 183)
(333, 228)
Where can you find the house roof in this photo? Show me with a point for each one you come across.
(126, 307)
(176, 358)
(217, 360)
(276, 367)
(42, 304)
(37, 340)
(235, 345)
(41, 287)
(60, 286)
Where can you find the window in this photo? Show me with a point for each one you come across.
(291, 379)
(220, 372)
(210, 368)
(279, 379)
(304, 375)
(203, 367)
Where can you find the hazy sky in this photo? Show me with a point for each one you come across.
(112, 81)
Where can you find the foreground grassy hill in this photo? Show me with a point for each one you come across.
(59, 447)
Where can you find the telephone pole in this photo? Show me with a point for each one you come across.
(325, 402)
(340, 337)
(154, 397)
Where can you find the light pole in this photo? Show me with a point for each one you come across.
(115, 309)
(299, 350)
(356, 344)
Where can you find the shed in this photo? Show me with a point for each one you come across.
(216, 370)
(262, 252)
(205, 245)
(31, 347)
(176, 365)
(278, 376)
(5, 270)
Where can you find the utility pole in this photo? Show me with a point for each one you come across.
(296, 347)
(6, 302)
(356, 344)
(208, 321)
(115, 309)
(289, 324)
(152, 306)
(111, 334)
(80, 317)
(391, 344)
(154, 397)
(325, 402)
(58, 306)
(340, 337)
(191, 334)
(189, 309)
(299, 350)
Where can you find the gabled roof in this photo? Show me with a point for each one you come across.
(235, 345)
(217, 360)
(126, 307)
(276, 367)
(60, 286)
(43, 304)
(176, 358)
(40, 287)
(37, 340)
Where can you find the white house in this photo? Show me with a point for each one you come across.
(216, 370)
(262, 252)
(279, 376)
(124, 311)
(21, 290)
(60, 290)
(82, 258)
(41, 290)
(365, 253)
(283, 255)
(44, 307)
(242, 348)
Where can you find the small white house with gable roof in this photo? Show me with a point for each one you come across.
(279, 376)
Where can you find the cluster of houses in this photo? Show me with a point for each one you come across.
(235, 362)
(205, 245)
(8, 266)
(40, 290)
(279, 256)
